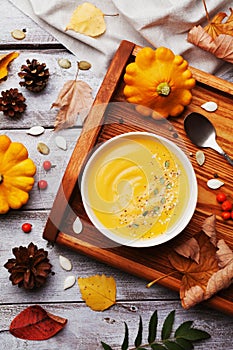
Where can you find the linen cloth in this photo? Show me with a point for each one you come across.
(151, 23)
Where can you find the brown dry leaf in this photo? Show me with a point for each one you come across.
(99, 291)
(4, 62)
(216, 37)
(189, 249)
(213, 272)
(87, 19)
(224, 254)
(74, 97)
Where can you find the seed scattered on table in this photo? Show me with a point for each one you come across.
(64, 63)
(18, 34)
(84, 65)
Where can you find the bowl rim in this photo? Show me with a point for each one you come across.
(185, 217)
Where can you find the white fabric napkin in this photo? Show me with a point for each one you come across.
(146, 22)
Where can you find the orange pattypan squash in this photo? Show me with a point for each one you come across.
(16, 174)
(158, 82)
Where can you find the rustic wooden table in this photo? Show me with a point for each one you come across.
(85, 328)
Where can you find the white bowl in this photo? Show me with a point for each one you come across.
(114, 154)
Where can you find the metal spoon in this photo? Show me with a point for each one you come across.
(203, 134)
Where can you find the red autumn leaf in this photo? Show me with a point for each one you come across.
(34, 323)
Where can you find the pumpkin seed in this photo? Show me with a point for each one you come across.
(77, 225)
(65, 263)
(210, 106)
(214, 184)
(200, 157)
(64, 63)
(69, 282)
(36, 130)
(61, 142)
(18, 34)
(84, 65)
(43, 148)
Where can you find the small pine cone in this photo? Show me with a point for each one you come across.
(30, 268)
(12, 102)
(35, 75)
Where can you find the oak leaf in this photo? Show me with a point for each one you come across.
(216, 37)
(75, 97)
(213, 272)
(4, 62)
(99, 291)
(87, 19)
(34, 323)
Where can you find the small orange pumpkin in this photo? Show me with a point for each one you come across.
(16, 174)
(159, 82)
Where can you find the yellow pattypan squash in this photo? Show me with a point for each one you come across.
(159, 82)
(16, 174)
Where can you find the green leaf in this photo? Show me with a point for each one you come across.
(183, 328)
(194, 334)
(138, 339)
(171, 345)
(167, 325)
(125, 343)
(157, 347)
(153, 327)
(106, 346)
(185, 344)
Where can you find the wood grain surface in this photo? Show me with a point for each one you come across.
(85, 328)
(112, 115)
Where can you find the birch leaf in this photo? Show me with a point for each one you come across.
(74, 97)
(213, 272)
(216, 37)
(4, 62)
(99, 291)
(87, 19)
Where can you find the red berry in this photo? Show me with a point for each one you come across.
(232, 214)
(226, 205)
(26, 227)
(226, 215)
(42, 184)
(47, 165)
(221, 197)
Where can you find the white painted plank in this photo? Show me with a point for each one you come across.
(38, 110)
(12, 18)
(86, 329)
(128, 287)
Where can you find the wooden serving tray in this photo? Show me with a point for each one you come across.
(112, 115)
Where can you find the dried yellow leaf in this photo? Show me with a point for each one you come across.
(216, 26)
(99, 291)
(87, 19)
(4, 62)
(216, 37)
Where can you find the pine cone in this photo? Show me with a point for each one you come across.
(35, 75)
(12, 102)
(30, 268)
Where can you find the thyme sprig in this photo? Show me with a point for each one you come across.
(182, 339)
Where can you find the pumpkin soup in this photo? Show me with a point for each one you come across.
(134, 187)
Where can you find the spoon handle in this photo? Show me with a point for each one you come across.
(228, 158)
